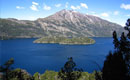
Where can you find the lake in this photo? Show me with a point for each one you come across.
(40, 57)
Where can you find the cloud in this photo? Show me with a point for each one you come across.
(125, 6)
(116, 12)
(19, 7)
(105, 14)
(34, 3)
(96, 15)
(84, 5)
(66, 5)
(75, 7)
(34, 6)
(57, 5)
(128, 15)
(45, 7)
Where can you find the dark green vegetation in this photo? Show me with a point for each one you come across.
(69, 71)
(65, 23)
(7, 73)
(117, 64)
(64, 40)
(52, 75)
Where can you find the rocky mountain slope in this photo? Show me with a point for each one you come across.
(65, 23)
(13, 28)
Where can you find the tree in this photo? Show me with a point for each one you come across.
(117, 64)
(127, 46)
(115, 41)
(6, 68)
(114, 67)
(127, 27)
(16, 74)
(69, 72)
(36, 76)
(19, 74)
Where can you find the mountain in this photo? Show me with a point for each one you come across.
(65, 23)
(13, 28)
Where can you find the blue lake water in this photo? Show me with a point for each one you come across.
(40, 57)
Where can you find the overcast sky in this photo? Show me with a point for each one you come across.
(117, 11)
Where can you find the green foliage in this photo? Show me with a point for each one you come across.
(36, 76)
(6, 68)
(65, 40)
(52, 75)
(19, 74)
(69, 72)
(87, 76)
(16, 74)
(117, 64)
(49, 75)
(9, 63)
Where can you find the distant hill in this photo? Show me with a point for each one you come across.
(65, 23)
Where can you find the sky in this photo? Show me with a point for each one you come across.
(117, 11)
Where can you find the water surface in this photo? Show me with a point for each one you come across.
(40, 57)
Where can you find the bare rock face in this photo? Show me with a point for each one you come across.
(65, 23)
(72, 23)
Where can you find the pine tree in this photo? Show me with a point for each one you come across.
(114, 67)
(115, 41)
(117, 64)
(126, 52)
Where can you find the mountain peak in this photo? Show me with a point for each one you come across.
(65, 10)
(67, 23)
(68, 15)
(73, 23)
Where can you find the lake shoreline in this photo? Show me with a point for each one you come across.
(9, 38)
